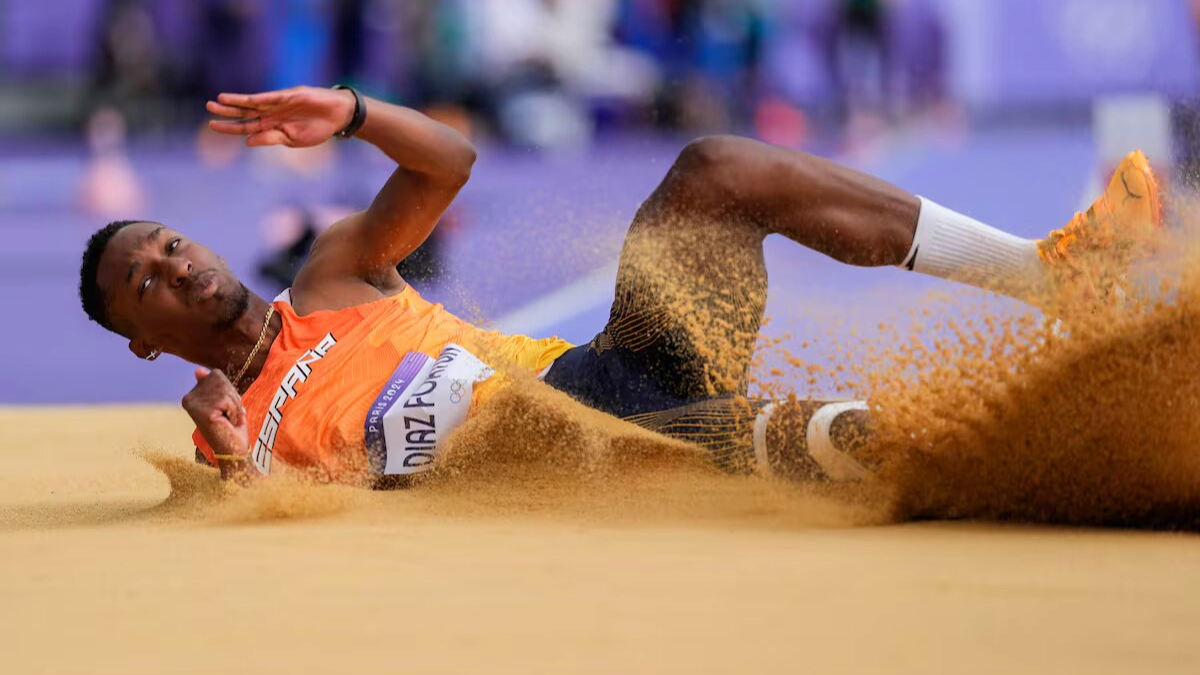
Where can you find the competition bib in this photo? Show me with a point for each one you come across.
(420, 405)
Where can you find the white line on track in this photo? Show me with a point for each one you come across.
(568, 302)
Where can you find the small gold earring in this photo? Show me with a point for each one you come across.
(153, 355)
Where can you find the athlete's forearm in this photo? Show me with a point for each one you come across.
(416, 142)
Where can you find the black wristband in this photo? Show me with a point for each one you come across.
(360, 113)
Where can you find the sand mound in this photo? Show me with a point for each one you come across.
(199, 494)
(1012, 419)
(534, 450)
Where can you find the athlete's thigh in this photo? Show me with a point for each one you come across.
(689, 300)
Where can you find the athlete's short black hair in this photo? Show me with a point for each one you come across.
(90, 293)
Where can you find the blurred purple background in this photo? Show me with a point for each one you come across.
(578, 107)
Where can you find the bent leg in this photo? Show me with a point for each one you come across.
(851, 217)
(692, 282)
(854, 218)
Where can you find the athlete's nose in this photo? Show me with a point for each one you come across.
(179, 270)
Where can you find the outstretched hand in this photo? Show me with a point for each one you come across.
(299, 117)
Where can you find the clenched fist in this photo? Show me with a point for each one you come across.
(216, 408)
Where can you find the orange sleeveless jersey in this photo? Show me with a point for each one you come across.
(325, 369)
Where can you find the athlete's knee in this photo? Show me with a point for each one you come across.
(715, 159)
(709, 153)
(707, 172)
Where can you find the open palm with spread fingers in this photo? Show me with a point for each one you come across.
(299, 117)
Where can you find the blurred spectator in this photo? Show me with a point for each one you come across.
(230, 48)
(442, 69)
(302, 52)
(886, 61)
(348, 25)
(128, 75)
(548, 63)
(1186, 122)
(157, 62)
(920, 43)
(710, 52)
(861, 56)
(128, 83)
(109, 189)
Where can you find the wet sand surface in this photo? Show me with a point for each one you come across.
(98, 575)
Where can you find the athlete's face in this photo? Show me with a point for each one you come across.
(167, 292)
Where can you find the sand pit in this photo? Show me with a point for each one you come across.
(100, 576)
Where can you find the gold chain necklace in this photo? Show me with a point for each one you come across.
(262, 335)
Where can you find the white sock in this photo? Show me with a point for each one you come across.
(952, 246)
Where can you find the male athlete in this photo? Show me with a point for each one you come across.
(351, 374)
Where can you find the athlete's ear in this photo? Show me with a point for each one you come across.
(142, 350)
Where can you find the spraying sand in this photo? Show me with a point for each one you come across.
(1095, 421)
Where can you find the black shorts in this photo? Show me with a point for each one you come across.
(684, 322)
(650, 357)
(612, 381)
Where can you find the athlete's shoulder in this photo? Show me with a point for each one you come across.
(309, 295)
(333, 278)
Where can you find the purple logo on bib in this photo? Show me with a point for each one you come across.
(408, 370)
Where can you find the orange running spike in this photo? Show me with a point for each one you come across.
(1128, 212)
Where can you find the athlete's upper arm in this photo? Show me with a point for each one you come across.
(332, 277)
(368, 245)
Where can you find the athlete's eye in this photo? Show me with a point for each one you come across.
(174, 244)
(143, 286)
